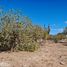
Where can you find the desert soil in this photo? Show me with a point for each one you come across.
(48, 55)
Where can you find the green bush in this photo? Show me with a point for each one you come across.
(21, 35)
(28, 47)
(58, 37)
(55, 39)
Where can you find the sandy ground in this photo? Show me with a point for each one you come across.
(49, 55)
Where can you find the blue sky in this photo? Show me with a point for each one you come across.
(53, 12)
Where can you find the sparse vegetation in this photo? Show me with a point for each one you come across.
(18, 33)
(58, 37)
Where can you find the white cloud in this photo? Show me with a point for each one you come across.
(56, 30)
(65, 22)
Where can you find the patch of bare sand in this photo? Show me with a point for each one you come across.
(49, 55)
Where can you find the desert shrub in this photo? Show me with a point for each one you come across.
(17, 40)
(46, 35)
(60, 36)
(37, 33)
(19, 35)
(55, 39)
(49, 37)
(31, 46)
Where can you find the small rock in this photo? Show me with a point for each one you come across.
(4, 64)
(62, 63)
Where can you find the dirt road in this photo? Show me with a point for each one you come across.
(49, 55)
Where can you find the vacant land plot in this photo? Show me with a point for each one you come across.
(49, 55)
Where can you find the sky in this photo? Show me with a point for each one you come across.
(41, 12)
